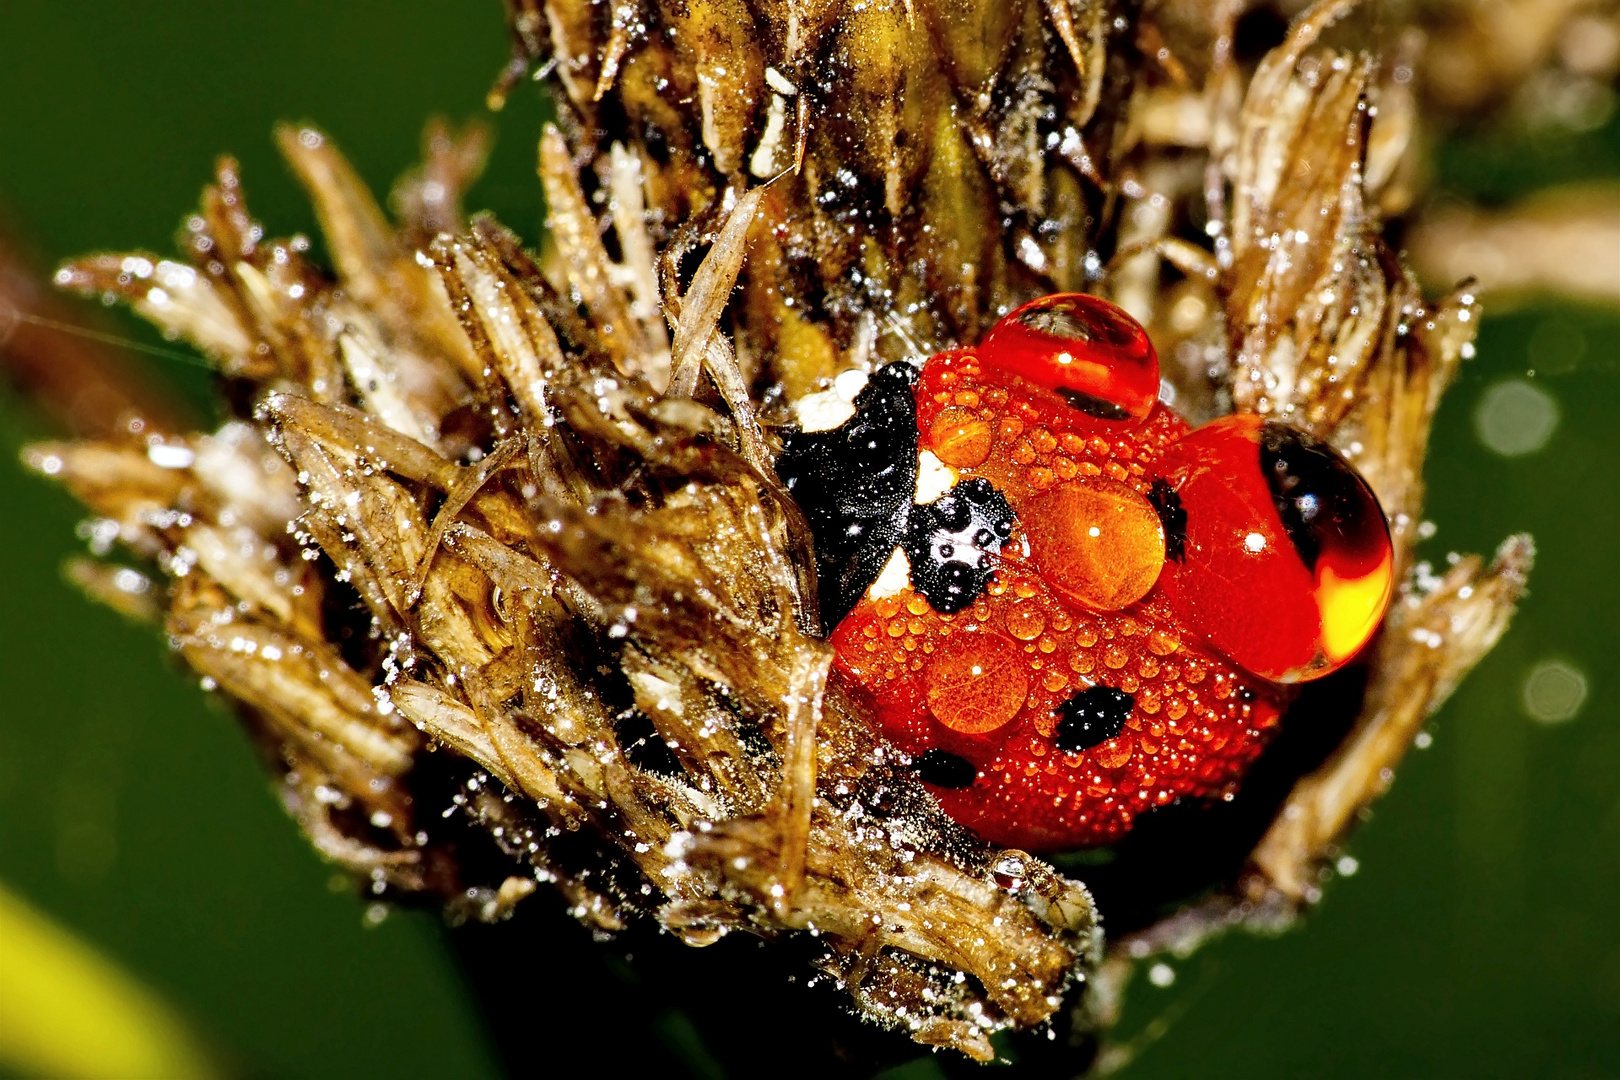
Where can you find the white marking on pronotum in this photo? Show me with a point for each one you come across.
(849, 384)
(895, 577)
(934, 478)
(823, 411)
(832, 408)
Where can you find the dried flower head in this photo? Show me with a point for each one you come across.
(499, 533)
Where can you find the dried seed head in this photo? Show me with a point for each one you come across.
(508, 527)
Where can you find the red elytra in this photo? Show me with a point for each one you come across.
(1121, 657)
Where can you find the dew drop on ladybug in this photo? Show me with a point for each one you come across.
(1286, 564)
(1092, 354)
(1101, 543)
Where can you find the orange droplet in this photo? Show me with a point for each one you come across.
(975, 683)
(1113, 753)
(1100, 543)
(1163, 641)
(1025, 621)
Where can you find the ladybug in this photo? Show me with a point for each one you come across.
(1062, 602)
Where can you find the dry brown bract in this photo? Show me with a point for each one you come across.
(505, 527)
(564, 550)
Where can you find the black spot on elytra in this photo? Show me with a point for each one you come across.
(1316, 493)
(943, 769)
(1092, 405)
(952, 541)
(1091, 717)
(1172, 517)
(855, 485)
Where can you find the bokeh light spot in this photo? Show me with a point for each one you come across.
(1553, 692)
(1515, 417)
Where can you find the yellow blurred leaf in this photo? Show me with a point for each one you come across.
(68, 1011)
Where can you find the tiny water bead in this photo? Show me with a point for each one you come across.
(1096, 606)
(961, 438)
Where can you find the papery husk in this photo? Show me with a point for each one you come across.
(500, 532)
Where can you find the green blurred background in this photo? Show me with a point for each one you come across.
(1477, 934)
